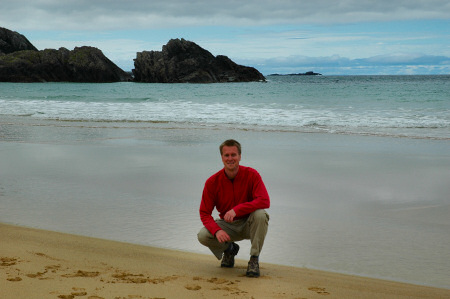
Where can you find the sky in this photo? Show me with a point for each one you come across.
(332, 37)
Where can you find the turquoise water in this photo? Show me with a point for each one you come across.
(412, 106)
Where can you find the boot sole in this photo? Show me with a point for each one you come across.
(252, 274)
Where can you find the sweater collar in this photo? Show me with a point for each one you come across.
(238, 175)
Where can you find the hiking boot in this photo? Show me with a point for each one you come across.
(228, 255)
(253, 267)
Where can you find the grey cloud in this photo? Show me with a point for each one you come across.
(144, 14)
(394, 59)
(404, 59)
(383, 64)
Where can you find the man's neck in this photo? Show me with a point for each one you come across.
(232, 174)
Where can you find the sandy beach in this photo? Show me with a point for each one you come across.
(43, 264)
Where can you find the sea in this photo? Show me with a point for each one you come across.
(357, 167)
(400, 106)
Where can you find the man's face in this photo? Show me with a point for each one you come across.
(230, 157)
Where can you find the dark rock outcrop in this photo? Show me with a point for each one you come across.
(182, 61)
(11, 41)
(83, 64)
(20, 61)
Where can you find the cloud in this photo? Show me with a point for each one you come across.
(337, 65)
(283, 36)
(144, 14)
(405, 59)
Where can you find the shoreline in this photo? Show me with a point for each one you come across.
(38, 263)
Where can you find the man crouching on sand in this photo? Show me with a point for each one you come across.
(239, 195)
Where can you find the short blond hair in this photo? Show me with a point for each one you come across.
(230, 142)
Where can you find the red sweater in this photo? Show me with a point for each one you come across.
(245, 194)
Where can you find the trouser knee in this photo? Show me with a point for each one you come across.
(204, 236)
(259, 216)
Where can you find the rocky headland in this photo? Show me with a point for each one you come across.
(20, 61)
(11, 41)
(182, 61)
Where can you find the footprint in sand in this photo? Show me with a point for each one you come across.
(8, 261)
(81, 273)
(222, 284)
(40, 275)
(218, 280)
(193, 287)
(163, 279)
(36, 275)
(130, 278)
(52, 268)
(140, 278)
(77, 293)
(318, 290)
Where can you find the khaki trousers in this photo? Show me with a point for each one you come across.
(254, 228)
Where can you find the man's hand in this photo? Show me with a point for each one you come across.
(229, 216)
(222, 236)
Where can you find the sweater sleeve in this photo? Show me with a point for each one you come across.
(206, 208)
(260, 198)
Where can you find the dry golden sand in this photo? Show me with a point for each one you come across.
(42, 264)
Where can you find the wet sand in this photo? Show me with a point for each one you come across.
(43, 264)
(370, 206)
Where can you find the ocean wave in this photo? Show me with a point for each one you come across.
(394, 106)
(435, 133)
